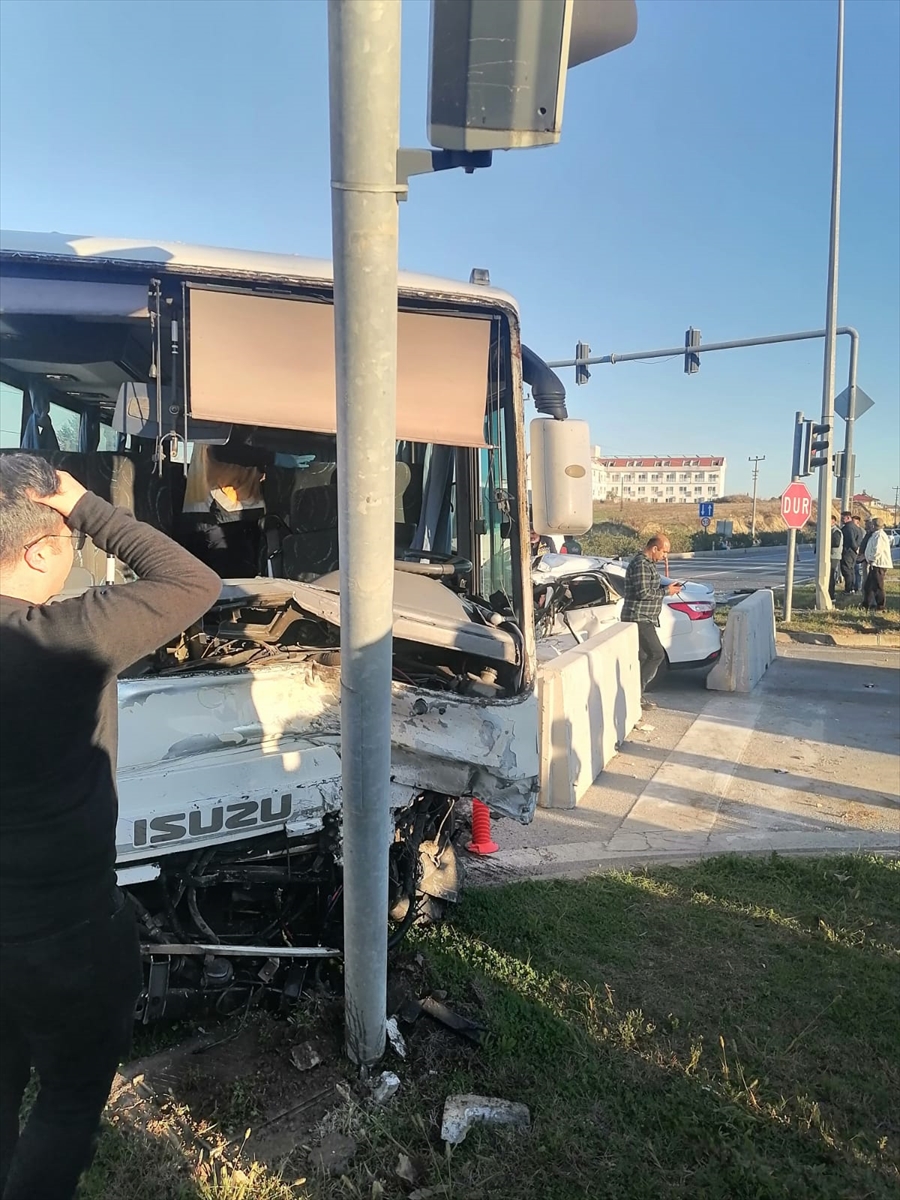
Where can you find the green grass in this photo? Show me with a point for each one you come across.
(848, 615)
(724, 1031)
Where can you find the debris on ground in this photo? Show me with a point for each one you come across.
(462, 1112)
(453, 1020)
(334, 1154)
(432, 1007)
(305, 1056)
(411, 1170)
(395, 1037)
(385, 1087)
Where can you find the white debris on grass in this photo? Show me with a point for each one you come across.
(462, 1112)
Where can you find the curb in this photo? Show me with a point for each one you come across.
(721, 553)
(582, 860)
(857, 641)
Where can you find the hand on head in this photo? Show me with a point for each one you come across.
(64, 499)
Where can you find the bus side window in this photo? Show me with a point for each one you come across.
(11, 400)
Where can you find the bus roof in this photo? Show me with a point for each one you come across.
(63, 247)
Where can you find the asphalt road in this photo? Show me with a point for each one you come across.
(731, 570)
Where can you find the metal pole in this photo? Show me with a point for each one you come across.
(823, 524)
(847, 483)
(792, 533)
(774, 339)
(364, 86)
(756, 461)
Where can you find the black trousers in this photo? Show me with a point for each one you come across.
(834, 577)
(651, 655)
(848, 570)
(66, 1010)
(873, 594)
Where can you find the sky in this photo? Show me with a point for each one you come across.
(691, 187)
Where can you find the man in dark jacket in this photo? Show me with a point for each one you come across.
(837, 550)
(70, 968)
(862, 566)
(852, 535)
(643, 603)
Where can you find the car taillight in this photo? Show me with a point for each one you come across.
(696, 610)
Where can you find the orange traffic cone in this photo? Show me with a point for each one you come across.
(481, 830)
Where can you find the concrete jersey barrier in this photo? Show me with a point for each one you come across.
(589, 701)
(748, 647)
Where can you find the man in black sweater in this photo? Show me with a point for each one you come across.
(70, 968)
(853, 536)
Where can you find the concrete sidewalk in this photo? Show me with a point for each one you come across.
(809, 761)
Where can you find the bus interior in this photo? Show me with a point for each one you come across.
(131, 387)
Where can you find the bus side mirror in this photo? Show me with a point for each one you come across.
(561, 493)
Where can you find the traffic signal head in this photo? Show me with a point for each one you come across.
(582, 352)
(819, 445)
(498, 71)
(816, 442)
(691, 361)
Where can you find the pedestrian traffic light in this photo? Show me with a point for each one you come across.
(816, 444)
(691, 361)
(837, 464)
(582, 352)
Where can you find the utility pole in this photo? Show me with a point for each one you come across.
(364, 88)
(896, 504)
(756, 461)
(823, 531)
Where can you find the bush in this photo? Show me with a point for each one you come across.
(604, 544)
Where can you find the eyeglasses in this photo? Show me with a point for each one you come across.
(77, 539)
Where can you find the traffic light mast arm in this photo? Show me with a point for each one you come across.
(678, 351)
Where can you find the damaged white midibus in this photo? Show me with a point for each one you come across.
(196, 387)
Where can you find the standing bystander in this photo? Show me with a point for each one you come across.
(70, 968)
(837, 549)
(862, 566)
(644, 592)
(878, 557)
(853, 536)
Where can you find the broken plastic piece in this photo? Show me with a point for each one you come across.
(386, 1087)
(396, 1037)
(305, 1056)
(462, 1112)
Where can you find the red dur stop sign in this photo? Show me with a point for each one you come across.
(796, 505)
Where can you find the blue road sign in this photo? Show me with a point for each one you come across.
(706, 508)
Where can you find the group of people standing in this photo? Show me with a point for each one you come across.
(861, 557)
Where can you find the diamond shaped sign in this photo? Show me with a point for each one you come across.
(842, 403)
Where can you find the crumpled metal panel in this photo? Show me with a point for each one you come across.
(211, 757)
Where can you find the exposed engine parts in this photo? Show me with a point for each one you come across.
(235, 926)
(252, 630)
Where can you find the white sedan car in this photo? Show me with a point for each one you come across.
(577, 596)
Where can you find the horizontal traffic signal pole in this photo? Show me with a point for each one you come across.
(738, 344)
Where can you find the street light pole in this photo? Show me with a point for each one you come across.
(848, 486)
(756, 461)
(823, 524)
(364, 88)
